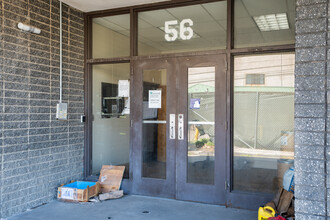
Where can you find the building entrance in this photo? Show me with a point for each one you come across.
(179, 128)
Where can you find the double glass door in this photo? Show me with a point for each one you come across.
(179, 128)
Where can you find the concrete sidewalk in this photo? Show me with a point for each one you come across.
(135, 207)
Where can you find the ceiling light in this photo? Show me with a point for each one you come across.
(272, 22)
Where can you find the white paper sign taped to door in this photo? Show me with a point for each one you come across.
(155, 99)
(123, 88)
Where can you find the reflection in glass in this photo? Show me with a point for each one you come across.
(111, 123)
(111, 36)
(263, 121)
(201, 143)
(202, 27)
(154, 124)
(264, 23)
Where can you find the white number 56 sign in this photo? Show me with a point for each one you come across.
(186, 32)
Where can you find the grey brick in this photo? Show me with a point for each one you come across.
(311, 40)
(311, 166)
(15, 125)
(310, 207)
(328, 81)
(15, 148)
(307, 110)
(16, 78)
(39, 152)
(38, 131)
(310, 82)
(39, 103)
(310, 193)
(309, 152)
(309, 138)
(311, 54)
(308, 217)
(310, 124)
(15, 117)
(38, 138)
(15, 156)
(309, 2)
(39, 117)
(309, 179)
(310, 97)
(311, 11)
(12, 101)
(39, 124)
(40, 145)
(310, 26)
(16, 94)
(328, 181)
(15, 141)
(40, 109)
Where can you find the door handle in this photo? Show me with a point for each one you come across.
(180, 127)
(172, 126)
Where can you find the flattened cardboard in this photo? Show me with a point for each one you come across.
(285, 201)
(278, 196)
(111, 195)
(111, 177)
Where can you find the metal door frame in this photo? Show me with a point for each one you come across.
(214, 194)
(175, 185)
(142, 185)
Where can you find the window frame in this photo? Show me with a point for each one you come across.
(234, 198)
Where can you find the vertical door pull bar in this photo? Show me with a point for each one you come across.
(172, 126)
(180, 127)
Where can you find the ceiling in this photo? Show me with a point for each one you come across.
(96, 5)
(209, 21)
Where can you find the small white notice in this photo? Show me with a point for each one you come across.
(67, 193)
(103, 178)
(123, 88)
(155, 99)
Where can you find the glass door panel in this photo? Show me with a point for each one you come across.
(201, 132)
(154, 124)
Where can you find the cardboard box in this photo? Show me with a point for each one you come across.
(79, 191)
(111, 177)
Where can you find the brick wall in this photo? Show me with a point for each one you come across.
(38, 152)
(312, 112)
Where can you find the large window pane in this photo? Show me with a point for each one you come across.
(264, 22)
(111, 117)
(111, 36)
(202, 27)
(263, 120)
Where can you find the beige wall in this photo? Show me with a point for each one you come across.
(277, 68)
